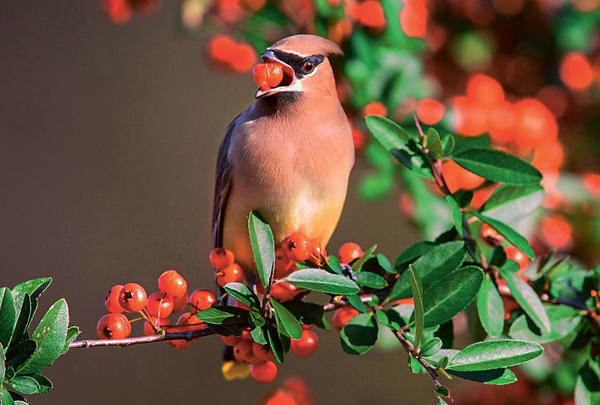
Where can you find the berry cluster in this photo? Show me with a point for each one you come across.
(155, 309)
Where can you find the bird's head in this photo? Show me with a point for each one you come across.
(305, 64)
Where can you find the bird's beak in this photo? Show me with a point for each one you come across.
(289, 81)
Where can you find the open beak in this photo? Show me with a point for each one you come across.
(288, 82)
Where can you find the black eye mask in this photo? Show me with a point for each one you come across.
(297, 62)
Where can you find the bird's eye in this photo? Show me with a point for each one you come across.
(308, 67)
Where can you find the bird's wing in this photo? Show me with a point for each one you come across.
(222, 186)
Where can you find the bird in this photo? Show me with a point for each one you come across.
(288, 156)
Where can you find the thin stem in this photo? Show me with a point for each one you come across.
(187, 335)
(432, 371)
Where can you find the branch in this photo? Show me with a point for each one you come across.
(433, 373)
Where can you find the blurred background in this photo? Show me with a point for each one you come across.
(112, 112)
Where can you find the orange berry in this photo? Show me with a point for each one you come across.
(220, 258)
(490, 236)
(132, 297)
(557, 232)
(202, 299)
(485, 90)
(342, 316)
(350, 251)
(267, 75)
(591, 182)
(470, 117)
(576, 71)
(119, 11)
(178, 344)
(459, 178)
(158, 305)
(369, 13)
(172, 284)
(264, 372)
(283, 264)
(111, 303)
(358, 138)
(375, 108)
(515, 254)
(180, 303)
(413, 18)
(230, 274)
(535, 124)
(244, 59)
(262, 352)
(113, 326)
(283, 291)
(502, 122)
(307, 345)
(298, 247)
(230, 340)
(242, 351)
(430, 111)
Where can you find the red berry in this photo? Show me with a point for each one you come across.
(318, 254)
(184, 324)
(306, 327)
(178, 344)
(220, 258)
(158, 305)
(242, 351)
(172, 284)
(230, 340)
(299, 247)
(180, 303)
(515, 254)
(267, 75)
(132, 297)
(283, 291)
(490, 236)
(202, 299)
(262, 353)
(350, 251)
(113, 326)
(342, 316)
(158, 322)
(112, 300)
(230, 274)
(264, 372)
(284, 266)
(307, 345)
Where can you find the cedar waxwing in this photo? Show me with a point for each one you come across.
(288, 156)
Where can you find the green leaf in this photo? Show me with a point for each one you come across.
(356, 302)
(490, 308)
(334, 265)
(498, 166)
(275, 343)
(371, 280)
(509, 203)
(255, 318)
(493, 354)
(437, 262)
(308, 313)
(323, 281)
(463, 198)
(375, 186)
(44, 383)
(359, 335)
(583, 396)
(18, 353)
(34, 288)
(431, 347)
(24, 384)
(222, 315)
(23, 318)
(287, 323)
(419, 312)
(387, 132)
(384, 263)
(391, 318)
(358, 263)
(498, 376)
(5, 398)
(563, 320)
(8, 316)
(263, 246)
(590, 374)
(72, 333)
(509, 233)
(434, 143)
(258, 335)
(49, 336)
(527, 298)
(457, 214)
(242, 293)
(412, 253)
(451, 295)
